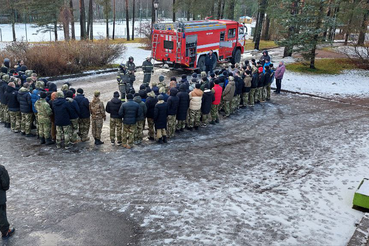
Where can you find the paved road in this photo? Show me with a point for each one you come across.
(282, 174)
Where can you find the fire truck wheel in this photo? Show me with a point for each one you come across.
(201, 64)
(237, 56)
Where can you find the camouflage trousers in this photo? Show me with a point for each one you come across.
(15, 120)
(151, 125)
(263, 93)
(36, 124)
(171, 125)
(181, 124)
(161, 133)
(268, 90)
(252, 96)
(147, 78)
(258, 94)
(245, 98)
(84, 128)
(44, 129)
(214, 112)
(75, 130)
(205, 118)
(116, 126)
(122, 90)
(128, 134)
(63, 132)
(235, 103)
(140, 125)
(227, 107)
(4, 113)
(26, 123)
(97, 125)
(194, 118)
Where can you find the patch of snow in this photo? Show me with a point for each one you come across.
(364, 188)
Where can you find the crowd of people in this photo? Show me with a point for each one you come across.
(64, 117)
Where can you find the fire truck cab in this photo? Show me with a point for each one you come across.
(186, 44)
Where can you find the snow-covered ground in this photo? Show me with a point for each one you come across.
(349, 83)
(29, 32)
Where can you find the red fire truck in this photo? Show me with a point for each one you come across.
(185, 44)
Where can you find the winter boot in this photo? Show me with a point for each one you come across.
(189, 128)
(112, 143)
(212, 122)
(49, 141)
(165, 139)
(160, 140)
(9, 233)
(98, 142)
(68, 146)
(196, 128)
(217, 120)
(42, 140)
(7, 125)
(23, 133)
(151, 138)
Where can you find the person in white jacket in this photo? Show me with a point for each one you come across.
(195, 107)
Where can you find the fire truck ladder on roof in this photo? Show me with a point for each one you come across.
(178, 47)
(155, 43)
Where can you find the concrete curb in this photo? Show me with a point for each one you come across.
(360, 236)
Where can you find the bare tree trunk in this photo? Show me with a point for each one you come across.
(71, 9)
(56, 29)
(219, 8)
(222, 12)
(127, 20)
(364, 27)
(107, 18)
(82, 18)
(133, 19)
(12, 10)
(266, 28)
(65, 20)
(174, 10)
(90, 24)
(114, 14)
(261, 13)
(316, 36)
(230, 14)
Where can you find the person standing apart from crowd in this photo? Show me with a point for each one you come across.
(98, 117)
(279, 72)
(210, 60)
(4, 224)
(148, 69)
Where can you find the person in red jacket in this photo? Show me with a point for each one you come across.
(217, 90)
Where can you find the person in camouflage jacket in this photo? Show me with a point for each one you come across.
(44, 122)
(98, 116)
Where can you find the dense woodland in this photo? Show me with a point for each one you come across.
(298, 25)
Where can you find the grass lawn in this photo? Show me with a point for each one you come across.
(263, 45)
(323, 66)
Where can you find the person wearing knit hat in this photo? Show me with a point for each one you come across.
(195, 107)
(13, 107)
(151, 101)
(160, 119)
(161, 83)
(84, 121)
(116, 126)
(44, 122)
(129, 111)
(98, 117)
(61, 109)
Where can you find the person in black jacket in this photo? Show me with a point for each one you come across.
(160, 119)
(140, 125)
(210, 61)
(253, 90)
(84, 118)
(4, 116)
(173, 102)
(25, 103)
(129, 111)
(183, 104)
(62, 112)
(207, 100)
(238, 92)
(116, 125)
(150, 105)
(4, 224)
(13, 107)
(74, 116)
